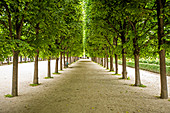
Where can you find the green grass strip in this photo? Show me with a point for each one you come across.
(49, 77)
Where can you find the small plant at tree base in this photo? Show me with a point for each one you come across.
(128, 78)
(125, 79)
(158, 96)
(168, 99)
(34, 84)
(9, 96)
(142, 85)
(56, 73)
(48, 77)
(132, 84)
(139, 85)
(117, 74)
(112, 71)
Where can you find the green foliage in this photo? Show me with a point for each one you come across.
(34, 84)
(9, 96)
(49, 77)
(139, 85)
(127, 78)
(56, 73)
(142, 85)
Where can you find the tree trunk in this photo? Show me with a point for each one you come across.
(111, 63)
(61, 67)
(104, 61)
(35, 81)
(56, 66)
(137, 73)
(20, 59)
(67, 57)
(124, 72)
(15, 74)
(116, 64)
(1, 63)
(64, 60)
(70, 60)
(25, 59)
(8, 60)
(107, 66)
(163, 79)
(49, 68)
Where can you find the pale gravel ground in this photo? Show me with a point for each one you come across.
(85, 87)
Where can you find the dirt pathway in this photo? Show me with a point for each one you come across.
(85, 87)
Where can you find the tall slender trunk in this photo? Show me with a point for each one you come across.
(20, 59)
(49, 67)
(25, 59)
(124, 72)
(137, 73)
(163, 79)
(35, 80)
(116, 64)
(64, 59)
(67, 57)
(111, 63)
(70, 60)
(61, 67)
(107, 66)
(56, 66)
(8, 60)
(15, 74)
(1, 63)
(74, 59)
(104, 61)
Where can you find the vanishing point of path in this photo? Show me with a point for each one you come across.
(85, 87)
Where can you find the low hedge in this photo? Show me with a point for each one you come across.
(154, 62)
(148, 67)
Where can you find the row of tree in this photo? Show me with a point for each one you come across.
(129, 29)
(39, 28)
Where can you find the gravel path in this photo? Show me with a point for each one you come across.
(85, 87)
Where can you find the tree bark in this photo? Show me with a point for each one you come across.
(35, 81)
(15, 74)
(64, 59)
(25, 59)
(67, 57)
(111, 63)
(8, 60)
(70, 60)
(1, 63)
(56, 66)
(137, 73)
(163, 79)
(49, 67)
(104, 61)
(116, 64)
(124, 72)
(61, 67)
(20, 59)
(107, 66)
